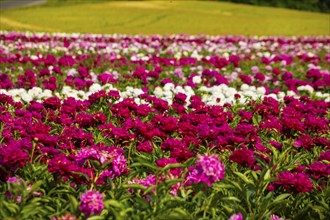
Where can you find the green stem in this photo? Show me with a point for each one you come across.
(32, 152)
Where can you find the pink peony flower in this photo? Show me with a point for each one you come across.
(275, 217)
(237, 216)
(91, 203)
(255, 69)
(208, 170)
(14, 179)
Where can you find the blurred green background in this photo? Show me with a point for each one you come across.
(167, 17)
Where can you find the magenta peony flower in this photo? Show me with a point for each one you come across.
(243, 157)
(106, 78)
(304, 141)
(325, 156)
(13, 157)
(319, 169)
(180, 98)
(91, 203)
(50, 83)
(52, 103)
(27, 80)
(245, 79)
(294, 182)
(208, 170)
(145, 147)
(5, 82)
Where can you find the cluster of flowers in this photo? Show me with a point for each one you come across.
(239, 216)
(87, 106)
(267, 65)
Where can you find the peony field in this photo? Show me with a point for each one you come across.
(116, 126)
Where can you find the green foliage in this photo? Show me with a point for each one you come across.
(307, 5)
(164, 17)
(243, 190)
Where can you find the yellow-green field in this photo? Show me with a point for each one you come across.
(166, 17)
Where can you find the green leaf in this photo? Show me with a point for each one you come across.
(230, 185)
(173, 181)
(256, 119)
(141, 164)
(49, 209)
(173, 165)
(150, 188)
(81, 174)
(11, 207)
(124, 212)
(35, 186)
(95, 218)
(267, 175)
(189, 162)
(134, 186)
(244, 178)
(323, 204)
(255, 176)
(113, 203)
(96, 164)
(177, 213)
(281, 197)
(319, 210)
(31, 209)
(182, 213)
(73, 202)
(227, 208)
(231, 198)
(142, 203)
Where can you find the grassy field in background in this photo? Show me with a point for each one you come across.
(166, 17)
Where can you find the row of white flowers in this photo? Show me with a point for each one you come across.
(215, 95)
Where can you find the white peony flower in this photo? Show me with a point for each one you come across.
(26, 97)
(95, 88)
(197, 79)
(137, 101)
(274, 96)
(204, 89)
(290, 93)
(245, 87)
(3, 91)
(169, 86)
(261, 91)
(306, 88)
(35, 92)
(179, 89)
(16, 98)
(168, 95)
(158, 91)
(34, 57)
(137, 92)
(72, 72)
(281, 95)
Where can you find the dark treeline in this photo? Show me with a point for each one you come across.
(307, 5)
